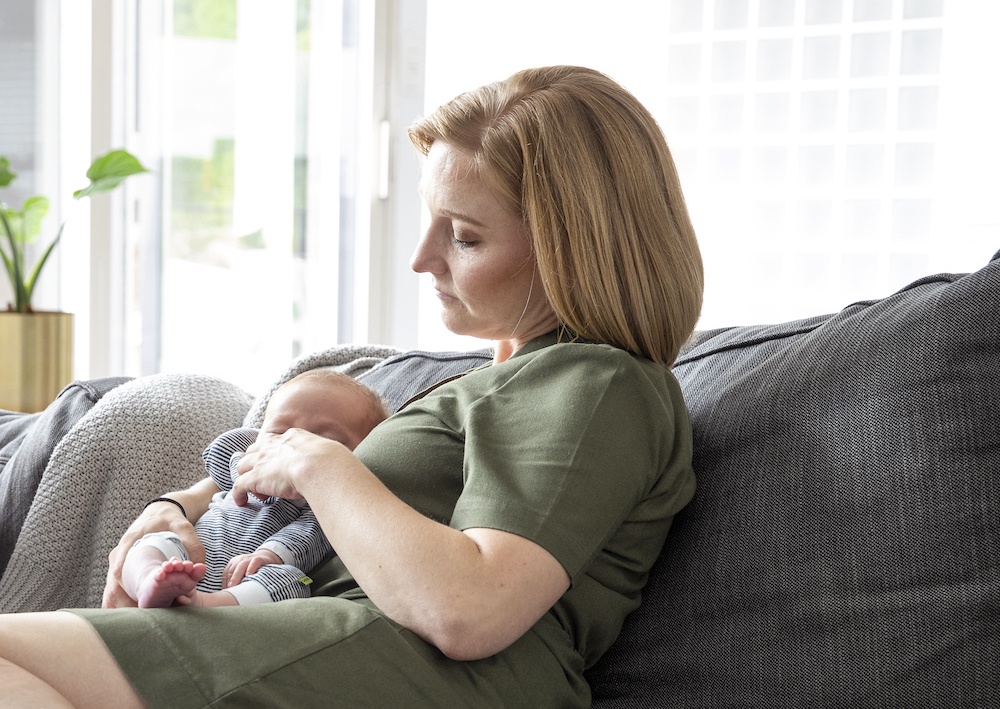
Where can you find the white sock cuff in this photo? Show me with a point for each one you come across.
(168, 543)
(249, 593)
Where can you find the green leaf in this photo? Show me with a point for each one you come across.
(108, 171)
(8, 264)
(6, 176)
(29, 285)
(13, 264)
(32, 214)
(252, 241)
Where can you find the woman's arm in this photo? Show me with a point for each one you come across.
(469, 593)
(160, 517)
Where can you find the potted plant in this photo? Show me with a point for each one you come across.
(36, 347)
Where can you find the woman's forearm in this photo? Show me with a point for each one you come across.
(195, 499)
(469, 593)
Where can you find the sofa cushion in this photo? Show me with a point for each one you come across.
(842, 548)
(400, 378)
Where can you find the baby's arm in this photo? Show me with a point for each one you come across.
(219, 455)
(301, 543)
(244, 565)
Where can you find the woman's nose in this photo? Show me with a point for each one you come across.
(425, 258)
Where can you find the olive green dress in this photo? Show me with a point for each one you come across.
(582, 448)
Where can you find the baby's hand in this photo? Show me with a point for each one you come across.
(247, 564)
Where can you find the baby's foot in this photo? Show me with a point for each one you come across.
(174, 578)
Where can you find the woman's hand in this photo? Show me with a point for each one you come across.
(159, 517)
(270, 466)
(247, 564)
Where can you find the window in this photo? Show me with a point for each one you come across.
(830, 150)
(259, 183)
(267, 227)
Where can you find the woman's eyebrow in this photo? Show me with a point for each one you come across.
(462, 217)
(451, 214)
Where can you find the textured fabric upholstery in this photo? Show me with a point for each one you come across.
(26, 444)
(843, 547)
(399, 378)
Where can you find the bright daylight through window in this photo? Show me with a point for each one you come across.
(830, 151)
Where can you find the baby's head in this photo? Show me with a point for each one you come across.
(327, 403)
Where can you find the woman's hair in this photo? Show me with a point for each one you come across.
(587, 168)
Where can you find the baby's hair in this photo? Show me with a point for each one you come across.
(376, 409)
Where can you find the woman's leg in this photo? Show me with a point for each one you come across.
(58, 655)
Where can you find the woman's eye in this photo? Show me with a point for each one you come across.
(461, 240)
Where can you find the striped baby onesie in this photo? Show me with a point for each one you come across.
(286, 527)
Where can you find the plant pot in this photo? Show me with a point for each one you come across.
(36, 358)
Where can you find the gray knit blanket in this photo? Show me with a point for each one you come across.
(141, 440)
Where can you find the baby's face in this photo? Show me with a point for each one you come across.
(332, 411)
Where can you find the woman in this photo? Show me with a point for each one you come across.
(492, 536)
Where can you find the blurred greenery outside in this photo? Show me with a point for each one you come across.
(214, 19)
(202, 189)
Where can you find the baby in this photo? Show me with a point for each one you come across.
(259, 551)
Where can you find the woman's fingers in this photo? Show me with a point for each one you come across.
(265, 470)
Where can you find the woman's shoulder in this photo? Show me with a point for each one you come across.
(580, 358)
(580, 370)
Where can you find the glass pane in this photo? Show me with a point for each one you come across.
(820, 57)
(728, 61)
(772, 112)
(814, 218)
(921, 52)
(684, 63)
(250, 261)
(818, 112)
(816, 163)
(770, 164)
(682, 115)
(17, 90)
(866, 109)
(914, 164)
(730, 14)
(727, 113)
(685, 15)
(864, 164)
(823, 12)
(922, 8)
(911, 219)
(863, 218)
(777, 13)
(869, 10)
(918, 108)
(870, 54)
(774, 59)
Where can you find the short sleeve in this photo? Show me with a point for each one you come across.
(564, 451)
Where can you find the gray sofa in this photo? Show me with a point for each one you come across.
(843, 547)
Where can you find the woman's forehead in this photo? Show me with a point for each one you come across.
(452, 186)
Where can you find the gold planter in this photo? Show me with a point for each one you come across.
(36, 359)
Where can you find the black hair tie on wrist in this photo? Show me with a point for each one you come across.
(166, 499)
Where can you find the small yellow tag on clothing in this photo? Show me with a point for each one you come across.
(305, 580)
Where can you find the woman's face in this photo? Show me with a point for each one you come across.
(479, 255)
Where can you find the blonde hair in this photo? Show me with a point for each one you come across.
(586, 167)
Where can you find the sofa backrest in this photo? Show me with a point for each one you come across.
(843, 547)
